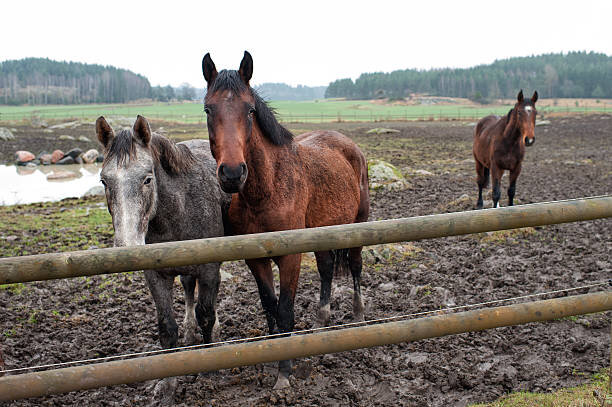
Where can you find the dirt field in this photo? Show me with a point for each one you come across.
(57, 321)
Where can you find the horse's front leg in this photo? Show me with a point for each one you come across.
(512, 188)
(189, 322)
(289, 270)
(262, 271)
(209, 279)
(496, 176)
(160, 285)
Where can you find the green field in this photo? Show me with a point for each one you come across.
(317, 111)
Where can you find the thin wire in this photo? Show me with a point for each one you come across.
(304, 331)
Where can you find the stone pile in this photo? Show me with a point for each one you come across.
(74, 156)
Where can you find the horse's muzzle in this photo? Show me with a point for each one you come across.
(231, 179)
(529, 141)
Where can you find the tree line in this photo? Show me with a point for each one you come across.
(41, 81)
(575, 74)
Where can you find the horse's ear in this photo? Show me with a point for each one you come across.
(520, 96)
(208, 69)
(534, 98)
(246, 68)
(104, 132)
(142, 131)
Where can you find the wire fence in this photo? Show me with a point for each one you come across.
(443, 114)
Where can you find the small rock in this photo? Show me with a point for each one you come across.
(382, 130)
(66, 160)
(11, 238)
(90, 156)
(65, 137)
(48, 131)
(5, 134)
(423, 172)
(78, 160)
(74, 153)
(58, 175)
(23, 157)
(542, 122)
(31, 164)
(38, 122)
(100, 158)
(386, 286)
(84, 139)
(98, 190)
(45, 159)
(56, 156)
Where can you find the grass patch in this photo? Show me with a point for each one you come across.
(505, 236)
(593, 394)
(74, 224)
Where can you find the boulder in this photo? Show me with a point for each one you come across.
(56, 156)
(65, 137)
(385, 175)
(22, 157)
(58, 175)
(45, 159)
(90, 156)
(74, 153)
(70, 125)
(84, 139)
(66, 160)
(6, 134)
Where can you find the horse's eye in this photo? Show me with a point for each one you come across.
(148, 180)
(252, 111)
(103, 183)
(206, 110)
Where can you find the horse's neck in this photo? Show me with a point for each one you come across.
(263, 163)
(170, 202)
(511, 131)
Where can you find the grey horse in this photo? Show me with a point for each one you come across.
(157, 191)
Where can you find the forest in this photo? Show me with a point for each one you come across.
(575, 74)
(41, 81)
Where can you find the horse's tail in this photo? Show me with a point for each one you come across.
(341, 262)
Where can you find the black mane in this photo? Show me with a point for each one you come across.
(174, 159)
(264, 114)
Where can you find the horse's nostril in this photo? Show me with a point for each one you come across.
(232, 173)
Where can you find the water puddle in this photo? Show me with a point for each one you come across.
(22, 185)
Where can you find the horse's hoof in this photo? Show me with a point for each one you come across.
(323, 316)
(163, 393)
(282, 382)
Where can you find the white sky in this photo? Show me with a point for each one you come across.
(308, 42)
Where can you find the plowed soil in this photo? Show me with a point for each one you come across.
(64, 320)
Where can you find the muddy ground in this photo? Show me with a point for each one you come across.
(57, 321)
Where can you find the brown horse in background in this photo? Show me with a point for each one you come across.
(499, 145)
(279, 183)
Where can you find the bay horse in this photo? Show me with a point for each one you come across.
(280, 182)
(157, 191)
(499, 145)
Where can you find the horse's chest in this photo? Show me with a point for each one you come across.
(508, 158)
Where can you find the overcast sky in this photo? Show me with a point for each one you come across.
(308, 42)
